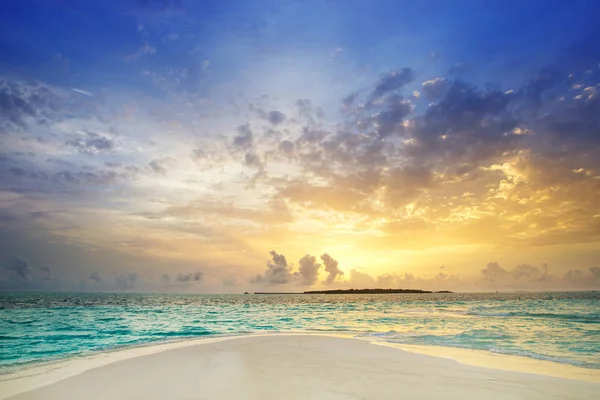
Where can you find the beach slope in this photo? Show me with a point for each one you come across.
(301, 367)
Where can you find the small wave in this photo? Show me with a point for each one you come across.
(10, 337)
(585, 318)
(68, 337)
(109, 319)
(116, 332)
(26, 322)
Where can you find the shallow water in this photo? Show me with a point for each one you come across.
(558, 327)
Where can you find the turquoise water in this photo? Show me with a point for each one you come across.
(558, 327)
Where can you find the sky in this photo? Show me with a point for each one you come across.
(230, 146)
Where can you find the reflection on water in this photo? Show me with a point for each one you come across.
(559, 327)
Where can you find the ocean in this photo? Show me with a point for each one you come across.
(558, 327)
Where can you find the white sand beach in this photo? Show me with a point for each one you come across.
(281, 367)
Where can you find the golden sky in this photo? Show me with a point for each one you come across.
(268, 161)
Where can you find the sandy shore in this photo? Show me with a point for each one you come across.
(280, 367)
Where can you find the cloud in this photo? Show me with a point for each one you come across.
(361, 280)
(159, 165)
(244, 139)
(433, 89)
(21, 103)
(393, 81)
(252, 160)
(144, 50)
(83, 92)
(190, 277)
(390, 118)
(309, 112)
(308, 270)
(331, 267)
(589, 279)
(278, 271)
(90, 176)
(494, 273)
(526, 276)
(286, 147)
(126, 281)
(492, 277)
(91, 143)
(276, 117)
(21, 267)
(47, 272)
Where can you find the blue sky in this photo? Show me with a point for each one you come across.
(172, 145)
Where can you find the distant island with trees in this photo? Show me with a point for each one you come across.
(360, 291)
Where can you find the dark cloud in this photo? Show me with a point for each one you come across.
(349, 100)
(392, 81)
(286, 147)
(278, 271)
(332, 269)
(434, 88)
(14, 108)
(158, 166)
(390, 118)
(21, 267)
(245, 138)
(190, 277)
(309, 112)
(27, 177)
(19, 102)
(252, 160)
(91, 143)
(542, 84)
(467, 113)
(308, 270)
(276, 117)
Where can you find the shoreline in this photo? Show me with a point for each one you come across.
(38, 376)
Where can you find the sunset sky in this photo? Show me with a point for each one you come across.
(225, 146)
